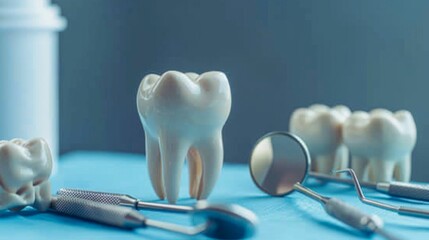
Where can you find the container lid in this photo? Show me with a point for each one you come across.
(30, 14)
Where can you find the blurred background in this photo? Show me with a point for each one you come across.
(279, 55)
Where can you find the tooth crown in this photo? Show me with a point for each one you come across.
(183, 115)
(196, 101)
(319, 126)
(25, 167)
(321, 129)
(380, 134)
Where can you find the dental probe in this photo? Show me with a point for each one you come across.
(347, 213)
(397, 189)
(402, 210)
(122, 200)
(128, 218)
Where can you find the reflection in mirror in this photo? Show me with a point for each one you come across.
(278, 161)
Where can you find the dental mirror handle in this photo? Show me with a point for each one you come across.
(347, 214)
(117, 216)
(352, 216)
(122, 200)
(356, 218)
(406, 190)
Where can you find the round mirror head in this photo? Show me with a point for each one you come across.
(225, 221)
(278, 161)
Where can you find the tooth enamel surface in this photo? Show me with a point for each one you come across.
(321, 129)
(381, 143)
(25, 167)
(183, 116)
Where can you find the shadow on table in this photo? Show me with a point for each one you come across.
(81, 224)
(25, 213)
(408, 226)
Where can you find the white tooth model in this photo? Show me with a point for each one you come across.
(25, 167)
(321, 129)
(381, 144)
(183, 116)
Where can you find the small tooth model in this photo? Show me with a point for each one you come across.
(321, 129)
(183, 115)
(25, 167)
(381, 144)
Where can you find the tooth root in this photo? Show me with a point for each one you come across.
(43, 196)
(195, 171)
(173, 154)
(402, 170)
(211, 152)
(341, 159)
(359, 166)
(325, 163)
(153, 159)
(381, 170)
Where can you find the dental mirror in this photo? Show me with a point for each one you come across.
(279, 164)
(225, 221)
(278, 161)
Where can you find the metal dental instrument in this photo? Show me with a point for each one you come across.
(348, 214)
(397, 189)
(230, 214)
(402, 210)
(123, 200)
(279, 164)
(211, 225)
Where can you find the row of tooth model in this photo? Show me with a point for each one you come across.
(380, 142)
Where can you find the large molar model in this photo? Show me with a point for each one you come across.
(183, 116)
(25, 167)
(321, 129)
(381, 143)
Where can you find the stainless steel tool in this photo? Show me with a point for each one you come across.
(347, 213)
(396, 189)
(124, 200)
(402, 210)
(280, 163)
(287, 142)
(211, 225)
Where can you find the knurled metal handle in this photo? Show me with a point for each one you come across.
(102, 213)
(102, 197)
(414, 191)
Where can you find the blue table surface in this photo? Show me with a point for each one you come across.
(290, 217)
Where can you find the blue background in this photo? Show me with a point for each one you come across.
(278, 55)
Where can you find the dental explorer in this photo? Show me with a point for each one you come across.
(396, 189)
(401, 210)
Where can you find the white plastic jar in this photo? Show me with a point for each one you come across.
(29, 70)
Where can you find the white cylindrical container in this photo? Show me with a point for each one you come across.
(29, 70)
